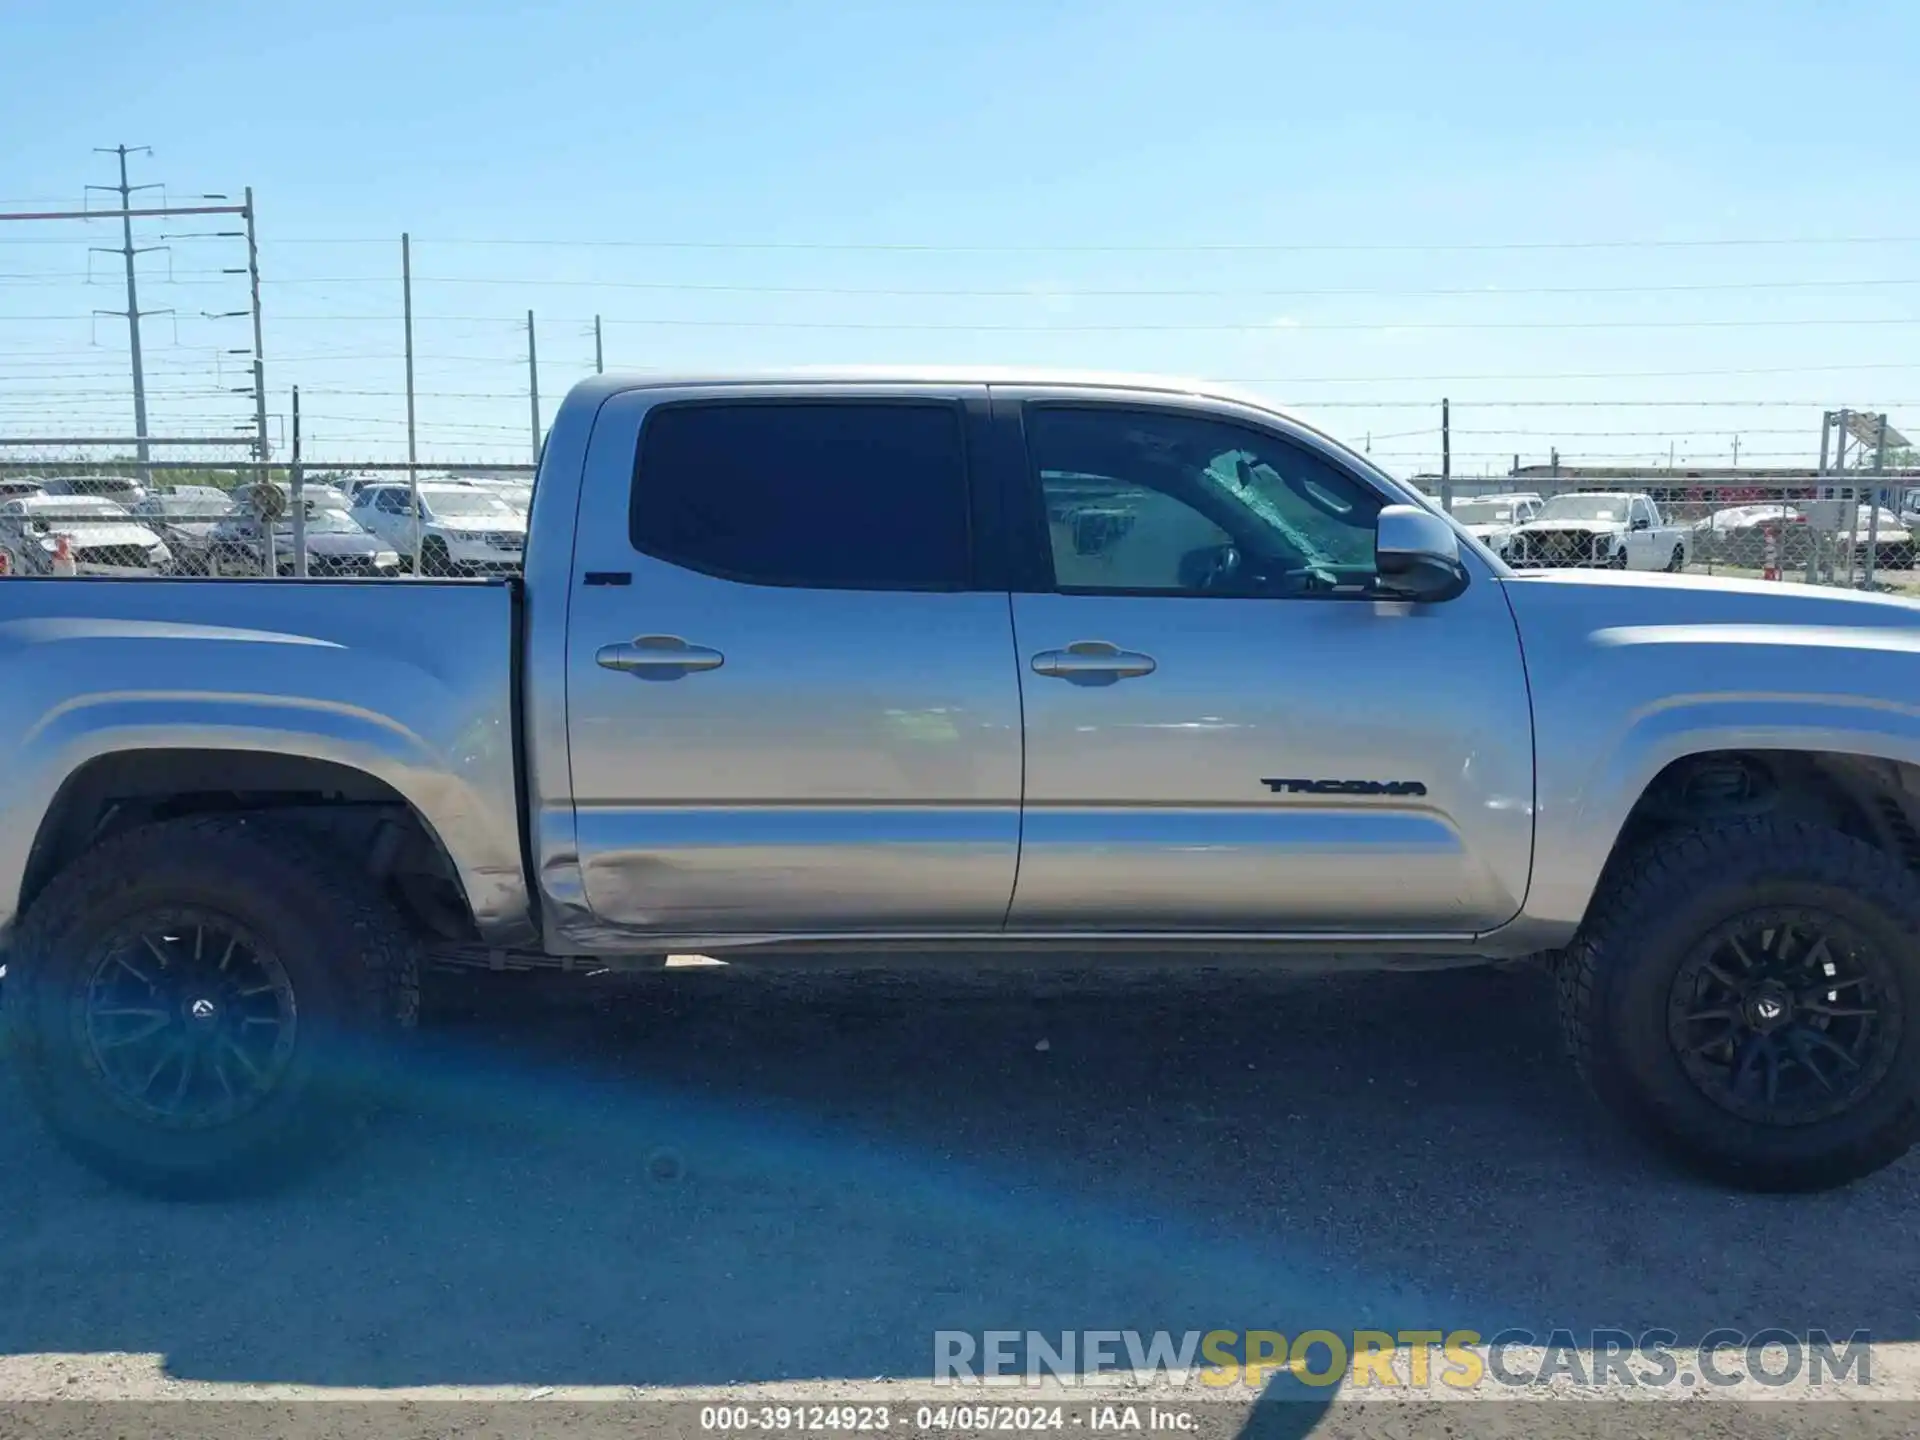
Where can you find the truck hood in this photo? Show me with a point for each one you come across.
(1590, 527)
(479, 525)
(1615, 607)
(90, 535)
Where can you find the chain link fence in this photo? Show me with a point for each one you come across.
(1842, 530)
(395, 520)
(221, 519)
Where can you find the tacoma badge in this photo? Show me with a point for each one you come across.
(1345, 787)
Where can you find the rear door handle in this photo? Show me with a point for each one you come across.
(1093, 661)
(658, 657)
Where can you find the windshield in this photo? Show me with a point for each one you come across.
(185, 507)
(1585, 507)
(471, 504)
(66, 507)
(1483, 512)
(326, 520)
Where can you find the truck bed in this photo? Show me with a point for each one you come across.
(411, 683)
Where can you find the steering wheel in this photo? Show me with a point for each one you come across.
(1223, 569)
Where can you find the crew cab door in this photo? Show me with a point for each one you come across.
(793, 703)
(1227, 727)
(1646, 541)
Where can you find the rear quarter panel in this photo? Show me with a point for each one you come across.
(408, 682)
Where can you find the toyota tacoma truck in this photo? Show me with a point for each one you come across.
(1616, 530)
(903, 664)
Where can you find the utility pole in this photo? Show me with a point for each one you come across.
(533, 387)
(259, 348)
(599, 353)
(1736, 452)
(1446, 455)
(127, 214)
(1845, 491)
(1873, 502)
(132, 312)
(413, 474)
(296, 488)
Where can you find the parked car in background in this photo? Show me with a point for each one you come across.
(464, 530)
(22, 485)
(1737, 535)
(189, 492)
(101, 536)
(338, 546)
(185, 522)
(1492, 519)
(517, 493)
(1620, 530)
(1891, 539)
(123, 488)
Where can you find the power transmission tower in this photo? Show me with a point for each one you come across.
(126, 214)
(133, 312)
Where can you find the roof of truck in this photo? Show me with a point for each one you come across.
(927, 375)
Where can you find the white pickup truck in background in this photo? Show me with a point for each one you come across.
(1615, 530)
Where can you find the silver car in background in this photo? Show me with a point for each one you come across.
(102, 537)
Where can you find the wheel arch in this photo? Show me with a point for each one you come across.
(346, 807)
(1866, 785)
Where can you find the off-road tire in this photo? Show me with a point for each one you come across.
(350, 962)
(1658, 903)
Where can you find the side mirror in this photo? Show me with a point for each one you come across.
(1417, 555)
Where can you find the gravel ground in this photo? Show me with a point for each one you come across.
(717, 1182)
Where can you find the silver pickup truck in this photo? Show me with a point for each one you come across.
(899, 664)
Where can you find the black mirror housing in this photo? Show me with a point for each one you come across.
(1417, 555)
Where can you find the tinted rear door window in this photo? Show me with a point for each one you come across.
(867, 495)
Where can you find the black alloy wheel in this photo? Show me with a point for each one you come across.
(189, 1019)
(1782, 1017)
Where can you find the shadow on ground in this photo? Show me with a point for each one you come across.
(715, 1177)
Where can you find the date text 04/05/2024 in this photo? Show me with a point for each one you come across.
(962, 1419)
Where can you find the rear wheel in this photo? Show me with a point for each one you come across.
(201, 1006)
(1746, 999)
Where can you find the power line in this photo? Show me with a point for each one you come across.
(1048, 292)
(1179, 248)
(1277, 327)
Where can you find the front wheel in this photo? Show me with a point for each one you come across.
(1746, 998)
(203, 1005)
(1619, 561)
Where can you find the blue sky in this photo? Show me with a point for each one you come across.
(1355, 208)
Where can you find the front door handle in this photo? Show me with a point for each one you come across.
(658, 657)
(1093, 661)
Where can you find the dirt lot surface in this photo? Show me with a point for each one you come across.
(722, 1184)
